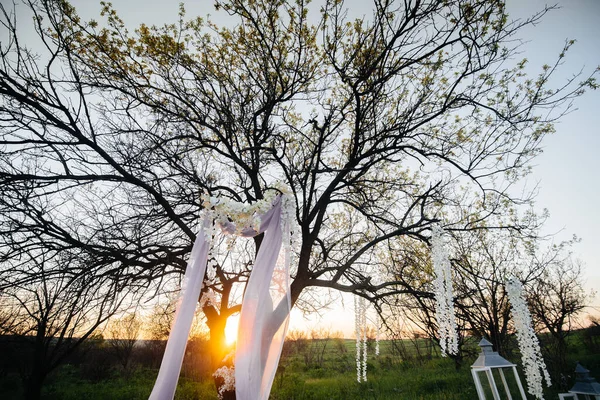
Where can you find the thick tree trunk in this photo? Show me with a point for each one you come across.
(33, 386)
(39, 370)
(218, 348)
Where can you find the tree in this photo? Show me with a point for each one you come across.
(556, 299)
(380, 126)
(483, 263)
(54, 313)
(123, 334)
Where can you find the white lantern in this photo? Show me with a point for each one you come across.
(486, 364)
(585, 388)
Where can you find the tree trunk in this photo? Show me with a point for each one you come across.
(33, 387)
(35, 380)
(219, 349)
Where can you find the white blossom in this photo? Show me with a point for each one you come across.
(444, 310)
(241, 215)
(531, 355)
(228, 375)
(208, 298)
(289, 227)
(234, 217)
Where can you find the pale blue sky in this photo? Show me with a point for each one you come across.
(568, 169)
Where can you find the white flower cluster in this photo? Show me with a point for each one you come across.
(529, 345)
(377, 337)
(208, 298)
(288, 221)
(360, 330)
(239, 219)
(243, 215)
(444, 310)
(228, 375)
(236, 218)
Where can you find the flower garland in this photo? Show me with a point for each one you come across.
(444, 310)
(236, 218)
(529, 345)
(360, 330)
(364, 324)
(288, 227)
(240, 219)
(243, 215)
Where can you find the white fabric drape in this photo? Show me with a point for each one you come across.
(168, 375)
(264, 316)
(265, 312)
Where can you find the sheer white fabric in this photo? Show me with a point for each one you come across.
(265, 309)
(168, 375)
(265, 312)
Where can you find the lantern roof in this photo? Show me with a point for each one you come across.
(584, 383)
(488, 358)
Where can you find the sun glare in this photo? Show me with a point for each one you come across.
(231, 329)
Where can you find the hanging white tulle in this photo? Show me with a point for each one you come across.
(265, 308)
(360, 331)
(166, 382)
(531, 355)
(444, 298)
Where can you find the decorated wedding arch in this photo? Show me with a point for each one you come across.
(266, 302)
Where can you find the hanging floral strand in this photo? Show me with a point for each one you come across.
(360, 331)
(377, 336)
(364, 330)
(357, 334)
(444, 310)
(529, 345)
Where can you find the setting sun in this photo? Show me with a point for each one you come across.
(231, 329)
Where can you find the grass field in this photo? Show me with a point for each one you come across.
(311, 369)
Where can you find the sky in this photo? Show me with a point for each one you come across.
(568, 169)
(566, 172)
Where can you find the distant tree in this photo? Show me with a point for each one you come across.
(591, 334)
(556, 299)
(380, 125)
(483, 262)
(10, 316)
(157, 327)
(298, 340)
(55, 314)
(123, 334)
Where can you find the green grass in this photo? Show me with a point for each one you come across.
(66, 385)
(304, 374)
(436, 379)
(137, 386)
